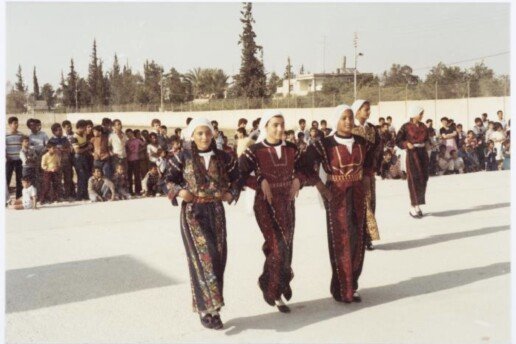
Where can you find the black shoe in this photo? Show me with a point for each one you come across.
(417, 216)
(370, 246)
(217, 322)
(207, 320)
(357, 297)
(420, 213)
(283, 308)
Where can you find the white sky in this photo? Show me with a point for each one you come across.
(189, 35)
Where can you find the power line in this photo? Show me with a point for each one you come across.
(469, 60)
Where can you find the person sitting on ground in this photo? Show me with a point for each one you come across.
(456, 162)
(100, 188)
(120, 183)
(390, 167)
(151, 181)
(29, 196)
(443, 162)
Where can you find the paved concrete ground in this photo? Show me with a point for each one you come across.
(117, 273)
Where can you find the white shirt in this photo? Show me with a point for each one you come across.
(27, 193)
(117, 144)
(152, 150)
(348, 142)
(277, 148)
(206, 157)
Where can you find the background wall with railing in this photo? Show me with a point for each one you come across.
(462, 110)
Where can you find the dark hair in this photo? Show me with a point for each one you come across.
(381, 119)
(323, 121)
(470, 131)
(242, 121)
(315, 122)
(478, 119)
(389, 117)
(145, 132)
(385, 125)
(29, 122)
(163, 127)
(429, 120)
(153, 134)
(154, 121)
(459, 125)
(98, 128)
(80, 124)
(97, 169)
(159, 151)
(188, 120)
(36, 121)
(445, 119)
(152, 165)
(51, 144)
(302, 120)
(136, 131)
(115, 121)
(129, 130)
(313, 129)
(214, 123)
(26, 179)
(300, 135)
(453, 151)
(242, 131)
(484, 114)
(12, 119)
(177, 131)
(497, 112)
(25, 138)
(66, 122)
(54, 127)
(106, 121)
(89, 122)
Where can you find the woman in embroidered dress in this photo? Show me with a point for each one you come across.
(342, 156)
(204, 176)
(277, 183)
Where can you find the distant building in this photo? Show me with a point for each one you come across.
(38, 106)
(303, 84)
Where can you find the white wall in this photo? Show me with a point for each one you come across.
(461, 110)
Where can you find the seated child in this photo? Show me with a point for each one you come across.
(29, 196)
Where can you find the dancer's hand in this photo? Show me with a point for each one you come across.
(266, 189)
(410, 145)
(324, 191)
(227, 197)
(186, 196)
(294, 189)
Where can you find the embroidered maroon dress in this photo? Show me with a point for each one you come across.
(276, 221)
(346, 212)
(417, 159)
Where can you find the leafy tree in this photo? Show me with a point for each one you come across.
(48, 95)
(274, 82)
(399, 75)
(20, 86)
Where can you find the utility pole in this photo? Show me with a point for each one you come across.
(288, 75)
(355, 45)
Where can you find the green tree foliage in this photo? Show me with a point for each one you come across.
(251, 82)
(35, 85)
(19, 86)
(274, 82)
(399, 75)
(48, 95)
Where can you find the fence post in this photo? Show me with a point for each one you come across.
(313, 99)
(467, 105)
(435, 104)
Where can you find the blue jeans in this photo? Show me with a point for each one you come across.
(106, 167)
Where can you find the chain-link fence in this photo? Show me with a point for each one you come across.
(374, 93)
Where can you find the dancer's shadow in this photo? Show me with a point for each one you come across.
(469, 210)
(314, 311)
(56, 284)
(438, 238)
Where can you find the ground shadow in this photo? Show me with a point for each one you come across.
(439, 238)
(314, 311)
(469, 210)
(56, 284)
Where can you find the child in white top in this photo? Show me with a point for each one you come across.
(29, 196)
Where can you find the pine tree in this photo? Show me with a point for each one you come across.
(93, 77)
(71, 94)
(251, 82)
(37, 96)
(19, 86)
(115, 80)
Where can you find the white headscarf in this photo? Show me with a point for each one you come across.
(357, 104)
(263, 123)
(194, 124)
(414, 111)
(337, 114)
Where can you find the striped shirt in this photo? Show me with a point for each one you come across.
(79, 142)
(13, 145)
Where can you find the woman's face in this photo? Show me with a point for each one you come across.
(202, 137)
(345, 123)
(364, 112)
(275, 128)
